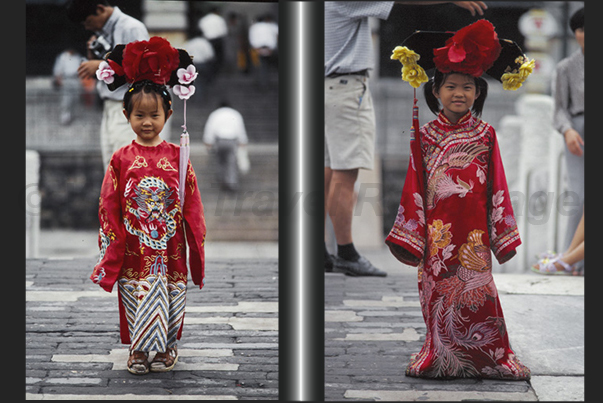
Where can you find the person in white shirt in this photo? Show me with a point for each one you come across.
(263, 38)
(203, 58)
(214, 28)
(264, 33)
(200, 49)
(66, 79)
(224, 133)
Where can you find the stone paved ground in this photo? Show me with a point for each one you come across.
(228, 350)
(373, 325)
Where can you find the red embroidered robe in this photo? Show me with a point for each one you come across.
(143, 244)
(455, 208)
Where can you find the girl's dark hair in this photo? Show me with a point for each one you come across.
(147, 87)
(436, 82)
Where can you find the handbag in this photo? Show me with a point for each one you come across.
(243, 159)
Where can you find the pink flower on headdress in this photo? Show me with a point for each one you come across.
(183, 91)
(153, 60)
(188, 75)
(105, 72)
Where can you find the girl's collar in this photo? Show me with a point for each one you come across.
(465, 119)
(136, 143)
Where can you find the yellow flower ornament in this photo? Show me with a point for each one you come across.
(411, 71)
(512, 80)
(405, 55)
(414, 75)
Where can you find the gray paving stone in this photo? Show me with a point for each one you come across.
(70, 321)
(361, 364)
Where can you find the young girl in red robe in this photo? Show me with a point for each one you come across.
(455, 207)
(145, 209)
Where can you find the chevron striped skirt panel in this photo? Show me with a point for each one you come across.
(154, 310)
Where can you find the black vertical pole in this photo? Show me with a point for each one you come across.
(312, 62)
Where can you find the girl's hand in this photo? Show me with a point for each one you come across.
(574, 142)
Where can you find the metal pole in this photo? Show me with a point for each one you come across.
(301, 184)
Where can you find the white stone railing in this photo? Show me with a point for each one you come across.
(532, 153)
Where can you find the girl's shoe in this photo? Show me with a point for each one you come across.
(547, 266)
(163, 362)
(138, 362)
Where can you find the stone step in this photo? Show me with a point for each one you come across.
(263, 173)
(251, 213)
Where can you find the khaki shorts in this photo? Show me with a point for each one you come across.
(349, 123)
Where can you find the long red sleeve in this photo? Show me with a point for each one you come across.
(195, 228)
(111, 239)
(504, 236)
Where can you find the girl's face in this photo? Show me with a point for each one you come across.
(147, 118)
(457, 94)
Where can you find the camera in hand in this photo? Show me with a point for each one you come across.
(99, 47)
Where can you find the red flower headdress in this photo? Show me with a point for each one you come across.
(154, 60)
(472, 50)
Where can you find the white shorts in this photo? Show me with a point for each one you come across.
(349, 123)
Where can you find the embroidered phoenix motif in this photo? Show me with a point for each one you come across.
(441, 185)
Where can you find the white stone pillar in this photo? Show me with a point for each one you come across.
(32, 204)
(537, 139)
(556, 187)
(509, 142)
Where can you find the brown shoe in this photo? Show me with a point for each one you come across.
(138, 362)
(163, 362)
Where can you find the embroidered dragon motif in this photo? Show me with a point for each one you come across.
(154, 224)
